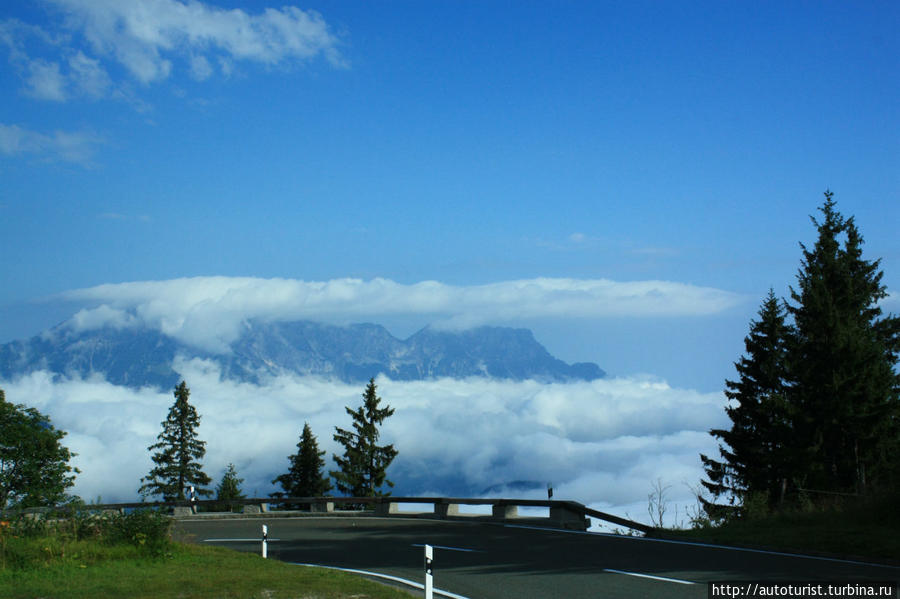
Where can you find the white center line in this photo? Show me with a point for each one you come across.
(450, 548)
(256, 540)
(663, 578)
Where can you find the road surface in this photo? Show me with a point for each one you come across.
(497, 561)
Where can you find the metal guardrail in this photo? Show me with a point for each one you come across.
(563, 514)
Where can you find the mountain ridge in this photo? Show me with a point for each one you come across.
(143, 356)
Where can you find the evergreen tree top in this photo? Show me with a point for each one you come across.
(179, 451)
(362, 468)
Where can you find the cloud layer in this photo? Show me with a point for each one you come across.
(69, 146)
(147, 40)
(602, 443)
(208, 311)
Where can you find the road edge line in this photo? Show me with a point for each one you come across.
(650, 576)
(410, 583)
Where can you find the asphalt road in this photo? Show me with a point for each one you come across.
(495, 561)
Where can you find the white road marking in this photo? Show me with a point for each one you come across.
(663, 578)
(415, 585)
(555, 530)
(256, 540)
(450, 548)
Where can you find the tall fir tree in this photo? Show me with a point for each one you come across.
(178, 454)
(304, 478)
(363, 467)
(757, 451)
(842, 362)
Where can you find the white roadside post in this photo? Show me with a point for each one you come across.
(265, 535)
(429, 555)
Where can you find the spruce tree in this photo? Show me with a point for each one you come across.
(304, 478)
(229, 488)
(757, 451)
(363, 467)
(842, 359)
(179, 453)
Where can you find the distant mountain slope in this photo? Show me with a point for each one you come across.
(137, 357)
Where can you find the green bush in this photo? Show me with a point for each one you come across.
(28, 527)
(146, 529)
(27, 542)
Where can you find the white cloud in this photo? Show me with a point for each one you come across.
(200, 68)
(89, 76)
(70, 146)
(655, 252)
(208, 311)
(145, 36)
(148, 40)
(45, 82)
(102, 316)
(602, 443)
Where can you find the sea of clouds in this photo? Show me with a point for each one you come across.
(209, 312)
(604, 443)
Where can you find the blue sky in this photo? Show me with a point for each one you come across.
(468, 143)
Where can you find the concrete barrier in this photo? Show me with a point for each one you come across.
(562, 514)
(387, 508)
(256, 508)
(505, 511)
(443, 509)
(567, 518)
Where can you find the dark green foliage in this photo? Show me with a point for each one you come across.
(363, 467)
(843, 353)
(34, 466)
(817, 407)
(230, 486)
(758, 452)
(304, 478)
(179, 453)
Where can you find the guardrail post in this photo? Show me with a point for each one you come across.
(568, 518)
(182, 511)
(505, 511)
(321, 506)
(386, 508)
(429, 574)
(442, 509)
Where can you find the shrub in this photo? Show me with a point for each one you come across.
(146, 529)
(27, 542)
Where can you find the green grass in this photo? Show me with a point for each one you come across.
(90, 556)
(868, 530)
(89, 570)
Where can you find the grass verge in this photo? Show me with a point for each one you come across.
(184, 572)
(112, 555)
